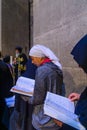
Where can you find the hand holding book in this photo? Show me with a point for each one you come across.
(61, 109)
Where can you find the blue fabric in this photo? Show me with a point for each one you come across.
(79, 52)
(30, 70)
(81, 108)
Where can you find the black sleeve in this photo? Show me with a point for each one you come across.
(83, 118)
(6, 81)
(81, 108)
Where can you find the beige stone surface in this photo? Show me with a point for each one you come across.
(60, 24)
(15, 25)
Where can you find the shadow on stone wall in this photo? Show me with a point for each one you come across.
(70, 84)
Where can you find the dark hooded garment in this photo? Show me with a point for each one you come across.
(79, 53)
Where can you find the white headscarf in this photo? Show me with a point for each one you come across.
(42, 51)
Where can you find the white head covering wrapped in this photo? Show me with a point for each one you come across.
(42, 51)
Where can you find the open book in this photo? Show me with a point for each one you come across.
(24, 86)
(62, 109)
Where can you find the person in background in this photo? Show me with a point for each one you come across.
(8, 110)
(19, 62)
(0, 56)
(49, 77)
(21, 118)
(6, 82)
(6, 59)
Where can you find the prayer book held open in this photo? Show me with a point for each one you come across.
(24, 86)
(62, 109)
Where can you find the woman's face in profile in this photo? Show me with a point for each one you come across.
(36, 60)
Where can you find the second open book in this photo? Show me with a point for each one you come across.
(62, 109)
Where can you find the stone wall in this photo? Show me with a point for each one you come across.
(59, 24)
(15, 25)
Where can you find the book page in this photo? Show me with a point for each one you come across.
(61, 108)
(62, 101)
(30, 94)
(24, 86)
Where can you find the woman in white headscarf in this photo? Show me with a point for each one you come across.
(49, 77)
(42, 51)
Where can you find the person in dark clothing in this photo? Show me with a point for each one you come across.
(6, 82)
(21, 118)
(79, 53)
(20, 62)
(30, 70)
(0, 55)
(8, 110)
(6, 59)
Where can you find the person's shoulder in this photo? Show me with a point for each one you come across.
(44, 69)
(4, 67)
(2, 63)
